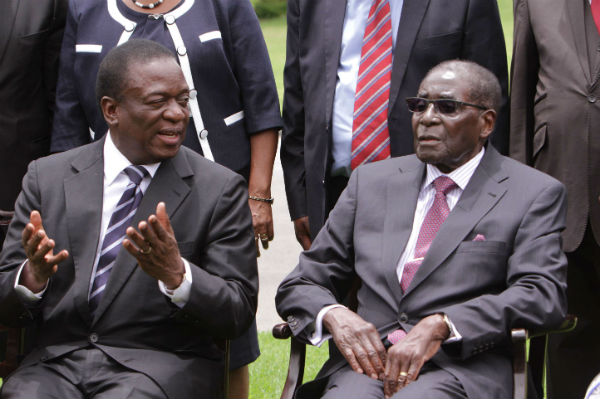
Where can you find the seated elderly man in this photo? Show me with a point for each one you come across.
(129, 255)
(453, 247)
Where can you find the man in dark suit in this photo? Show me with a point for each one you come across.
(453, 247)
(555, 114)
(136, 319)
(30, 37)
(325, 50)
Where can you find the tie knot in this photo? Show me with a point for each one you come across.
(443, 184)
(136, 173)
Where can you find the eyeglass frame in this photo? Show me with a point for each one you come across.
(435, 107)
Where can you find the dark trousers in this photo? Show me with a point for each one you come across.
(574, 358)
(335, 186)
(84, 373)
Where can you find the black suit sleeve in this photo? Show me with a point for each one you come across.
(225, 278)
(292, 140)
(524, 77)
(489, 51)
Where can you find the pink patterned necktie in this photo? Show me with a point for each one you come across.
(370, 135)
(595, 5)
(436, 215)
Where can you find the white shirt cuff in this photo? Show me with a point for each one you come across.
(25, 294)
(454, 334)
(317, 338)
(180, 295)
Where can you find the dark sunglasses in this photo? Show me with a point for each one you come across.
(442, 106)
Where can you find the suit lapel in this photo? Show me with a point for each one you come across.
(83, 212)
(403, 188)
(413, 12)
(575, 16)
(481, 194)
(7, 23)
(335, 12)
(169, 186)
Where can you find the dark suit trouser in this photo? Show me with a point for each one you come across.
(433, 383)
(574, 358)
(85, 373)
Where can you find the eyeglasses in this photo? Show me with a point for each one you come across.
(443, 106)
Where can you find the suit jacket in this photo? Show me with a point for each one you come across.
(230, 69)
(515, 278)
(429, 32)
(555, 110)
(30, 35)
(135, 323)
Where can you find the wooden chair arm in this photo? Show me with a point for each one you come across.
(297, 360)
(519, 339)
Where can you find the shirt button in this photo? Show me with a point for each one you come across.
(93, 338)
(403, 318)
(592, 98)
(129, 26)
(181, 50)
(169, 19)
(203, 134)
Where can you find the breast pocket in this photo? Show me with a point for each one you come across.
(484, 247)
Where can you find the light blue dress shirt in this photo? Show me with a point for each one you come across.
(355, 21)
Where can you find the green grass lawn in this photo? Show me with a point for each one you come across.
(267, 374)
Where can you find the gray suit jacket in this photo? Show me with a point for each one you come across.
(555, 103)
(515, 278)
(430, 31)
(135, 323)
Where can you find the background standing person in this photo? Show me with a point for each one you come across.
(30, 37)
(555, 117)
(383, 48)
(234, 117)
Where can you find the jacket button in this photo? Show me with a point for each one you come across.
(169, 19)
(203, 134)
(591, 98)
(403, 318)
(44, 358)
(93, 338)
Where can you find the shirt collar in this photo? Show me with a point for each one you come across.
(115, 162)
(461, 175)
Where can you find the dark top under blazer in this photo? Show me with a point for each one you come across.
(430, 31)
(516, 277)
(231, 73)
(30, 36)
(135, 324)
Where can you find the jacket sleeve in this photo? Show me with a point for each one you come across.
(489, 51)
(70, 128)
(13, 312)
(325, 273)
(292, 140)
(225, 278)
(524, 77)
(253, 69)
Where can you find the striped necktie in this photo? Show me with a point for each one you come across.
(370, 135)
(434, 219)
(115, 232)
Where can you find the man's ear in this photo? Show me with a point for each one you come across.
(488, 121)
(109, 107)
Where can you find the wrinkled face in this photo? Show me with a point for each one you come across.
(148, 122)
(449, 140)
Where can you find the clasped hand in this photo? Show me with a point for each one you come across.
(359, 342)
(155, 248)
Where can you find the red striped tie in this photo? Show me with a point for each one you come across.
(596, 12)
(370, 135)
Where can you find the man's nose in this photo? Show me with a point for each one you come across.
(430, 115)
(175, 111)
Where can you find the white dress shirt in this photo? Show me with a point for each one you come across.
(115, 183)
(355, 22)
(461, 176)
